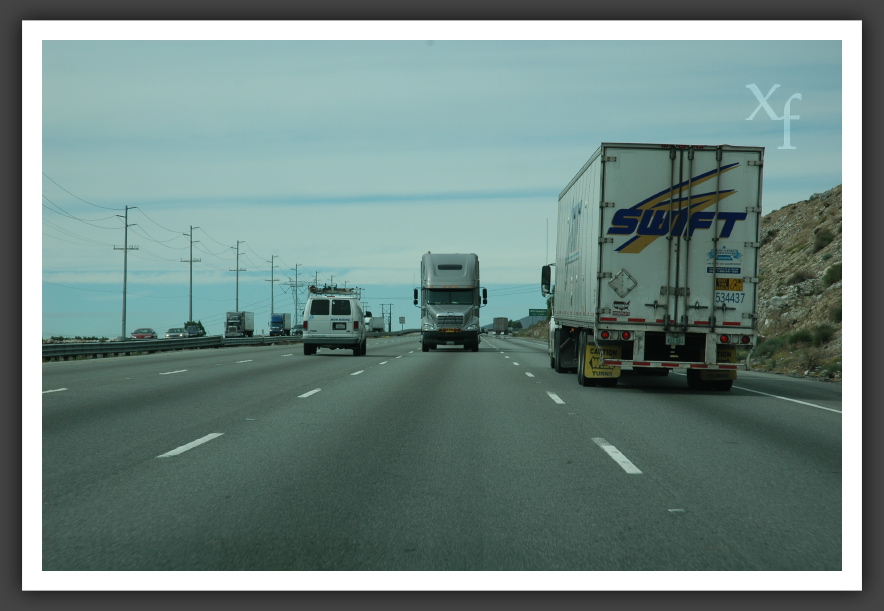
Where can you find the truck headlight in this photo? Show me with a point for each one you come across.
(470, 328)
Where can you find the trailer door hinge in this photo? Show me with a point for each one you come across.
(608, 158)
(603, 310)
(606, 240)
(603, 275)
(752, 244)
(753, 209)
(755, 162)
(607, 205)
(678, 291)
(751, 280)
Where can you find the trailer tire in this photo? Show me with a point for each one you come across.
(581, 362)
(425, 347)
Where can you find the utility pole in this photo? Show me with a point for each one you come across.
(126, 248)
(295, 290)
(271, 281)
(191, 260)
(237, 270)
(387, 314)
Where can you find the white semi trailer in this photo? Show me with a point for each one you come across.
(657, 263)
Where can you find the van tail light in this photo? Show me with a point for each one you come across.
(356, 325)
(305, 325)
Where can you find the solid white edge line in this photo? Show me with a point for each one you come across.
(54, 390)
(617, 456)
(555, 397)
(190, 445)
(828, 409)
(307, 394)
(168, 373)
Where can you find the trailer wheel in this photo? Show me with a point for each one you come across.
(425, 348)
(581, 362)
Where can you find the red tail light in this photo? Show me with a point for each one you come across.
(604, 335)
(356, 325)
(746, 339)
(626, 335)
(724, 339)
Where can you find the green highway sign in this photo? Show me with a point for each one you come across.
(532, 312)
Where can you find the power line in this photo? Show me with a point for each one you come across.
(72, 195)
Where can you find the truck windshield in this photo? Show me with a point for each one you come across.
(450, 297)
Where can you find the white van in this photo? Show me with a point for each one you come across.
(334, 319)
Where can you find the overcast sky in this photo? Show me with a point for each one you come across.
(348, 159)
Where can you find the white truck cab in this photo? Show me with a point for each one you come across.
(333, 318)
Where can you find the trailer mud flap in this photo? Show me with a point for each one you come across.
(725, 354)
(593, 367)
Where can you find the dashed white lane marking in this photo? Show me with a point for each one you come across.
(356, 373)
(530, 375)
(168, 373)
(286, 355)
(828, 409)
(617, 456)
(515, 363)
(190, 445)
(401, 355)
(54, 390)
(384, 363)
(307, 394)
(246, 361)
(555, 397)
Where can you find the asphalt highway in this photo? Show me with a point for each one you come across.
(263, 459)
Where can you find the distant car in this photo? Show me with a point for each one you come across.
(194, 331)
(176, 332)
(144, 333)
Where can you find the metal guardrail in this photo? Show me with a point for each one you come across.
(67, 351)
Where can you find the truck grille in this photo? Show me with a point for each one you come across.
(451, 321)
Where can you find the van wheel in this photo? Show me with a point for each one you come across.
(308, 349)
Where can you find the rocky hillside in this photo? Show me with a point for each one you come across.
(800, 288)
(799, 291)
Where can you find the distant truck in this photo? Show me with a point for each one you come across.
(501, 325)
(449, 299)
(239, 324)
(376, 323)
(657, 263)
(280, 324)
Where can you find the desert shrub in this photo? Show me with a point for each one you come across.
(822, 334)
(826, 256)
(770, 346)
(769, 236)
(832, 275)
(835, 313)
(800, 276)
(823, 238)
(801, 336)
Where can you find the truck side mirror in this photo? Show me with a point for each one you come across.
(484, 296)
(415, 296)
(545, 274)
